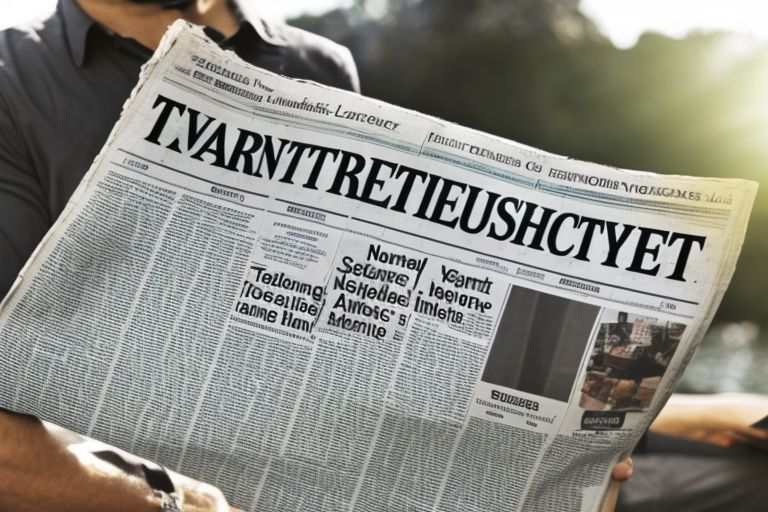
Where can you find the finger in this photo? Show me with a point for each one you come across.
(722, 439)
(739, 436)
(611, 496)
(756, 434)
(752, 437)
(623, 470)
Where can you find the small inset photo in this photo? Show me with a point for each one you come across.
(629, 356)
(540, 343)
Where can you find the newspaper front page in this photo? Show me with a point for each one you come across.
(317, 301)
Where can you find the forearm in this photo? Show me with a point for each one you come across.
(40, 472)
(684, 413)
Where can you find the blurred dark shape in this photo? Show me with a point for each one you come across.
(539, 72)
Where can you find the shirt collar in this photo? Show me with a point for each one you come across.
(249, 12)
(77, 24)
(76, 27)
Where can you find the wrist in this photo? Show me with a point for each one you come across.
(168, 502)
(163, 488)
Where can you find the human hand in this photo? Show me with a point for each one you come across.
(195, 496)
(730, 436)
(723, 420)
(622, 472)
(44, 468)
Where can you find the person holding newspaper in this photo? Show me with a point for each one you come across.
(81, 64)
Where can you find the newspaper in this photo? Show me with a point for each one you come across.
(318, 301)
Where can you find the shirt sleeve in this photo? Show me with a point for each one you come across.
(23, 215)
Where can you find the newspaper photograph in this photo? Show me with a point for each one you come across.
(318, 301)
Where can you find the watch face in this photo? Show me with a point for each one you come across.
(171, 502)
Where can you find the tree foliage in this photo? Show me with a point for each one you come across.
(539, 72)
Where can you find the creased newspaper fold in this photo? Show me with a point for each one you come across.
(317, 301)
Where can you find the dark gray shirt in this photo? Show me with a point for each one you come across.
(62, 87)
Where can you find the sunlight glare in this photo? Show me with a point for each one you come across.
(623, 21)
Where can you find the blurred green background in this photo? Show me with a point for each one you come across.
(541, 73)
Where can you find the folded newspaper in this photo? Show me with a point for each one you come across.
(320, 302)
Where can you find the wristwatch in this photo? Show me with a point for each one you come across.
(162, 485)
